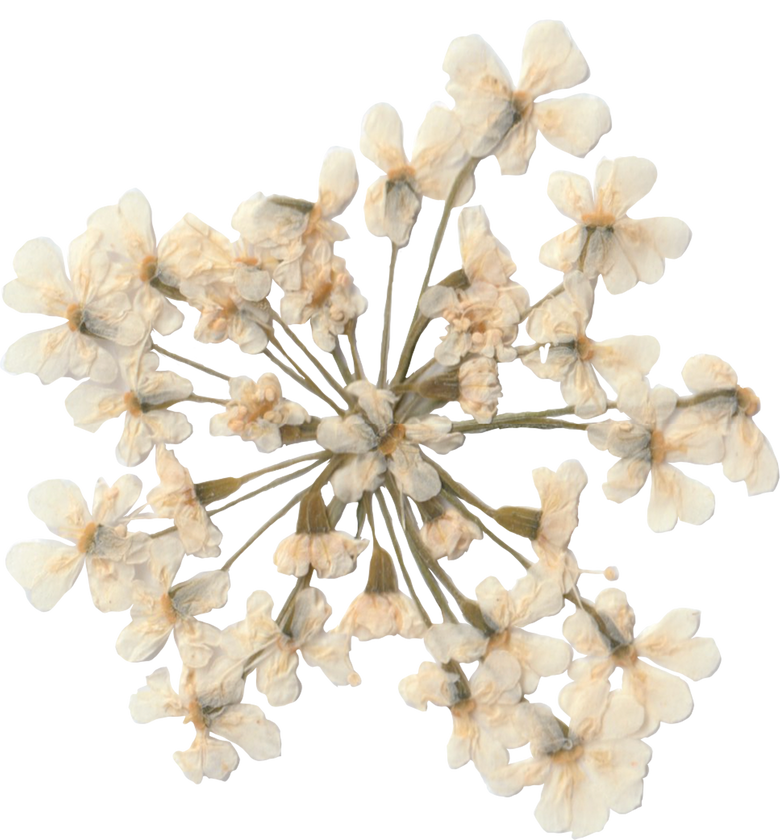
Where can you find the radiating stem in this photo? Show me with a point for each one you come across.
(463, 492)
(198, 399)
(189, 362)
(382, 380)
(305, 380)
(517, 421)
(341, 363)
(356, 363)
(282, 465)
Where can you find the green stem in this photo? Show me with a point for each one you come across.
(356, 363)
(305, 380)
(185, 361)
(341, 363)
(516, 421)
(382, 380)
(197, 399)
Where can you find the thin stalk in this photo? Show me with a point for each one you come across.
(382, 380)
(189, 362)
(198, 399)
(312, 456)
(264, 527)
(459, 489)
(312, 358)
(516, 421)
(356, 363)
(398, 553)
(341, 363)
(307, 382)
(406, 354)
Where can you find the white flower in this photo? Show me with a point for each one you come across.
(488, 718)
(176, 498)
(332, 553)
(595, 767)
(573, 359)
(449, 533)
(665, 698)
(47, 569)
(503, 119)
(192, 252)
(128, 239)
(748, 454)
(485, 258)
(660, 434)
(257, 412)
(482, 320)
(478, 388)
(374, 615)
(394, 200)
(327, 297)
(277, 664)
(290, 229)
(161, 607)
(226, 313)
(143, 397)
(97, 313)
(241, 723)
(605, 241)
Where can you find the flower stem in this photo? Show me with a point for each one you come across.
(382, 380)
(303, 379)
(530, 420)
(198, 399)
(356, 363)
(341, 363)
(189, 362)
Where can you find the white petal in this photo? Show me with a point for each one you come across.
(247, 726)
(574, 124)
(382, 137)
(338, 181)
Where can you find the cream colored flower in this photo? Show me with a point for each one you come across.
(274, 654)
(241, 723)
(488, 718)
(573, 359)
(485, 258)
(605, 241)
(332, 554)
(665, 698)
(478, 388)
(97, 313)
(594, 768)
(327, 297)
(445, 531)
(748, 454)
(47, 569)
(394, 200)
(290, 229)
(143, 396)
(176, 497)
(161, 607)
(503, 119)
(257, 412)
(127, 236)
(482, 320)
(659, 435)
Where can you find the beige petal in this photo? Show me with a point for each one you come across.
(45, 569)
(247, 726)
(574, 124)
(674, 495)
(208, 757)
(621, 182)
(551, 60)
(382, 137)
(338, 181)
(571, 194)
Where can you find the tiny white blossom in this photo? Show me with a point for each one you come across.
(605, 241)
(501, 118)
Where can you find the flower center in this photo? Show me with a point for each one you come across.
(658, 447)
(133, 404)
(148, 269)
(748, 401)
(585, 348)
(87, 538)
(75, 316)
(388, 443)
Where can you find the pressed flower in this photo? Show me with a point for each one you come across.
(257, 412)
(394, 200)
(446, 532)
(610, 645)
(659, 434)
(488, 718)
(277, 663)
(176, 497)
(478, 388)
(291, 229)
(573, 359)
(605, 241)
(47, 569)
(144, 398)
(97, 313)
(128, 237)
(748, 454)
(381, 610)
(587, 771)
(503, 119)
(482, 320)
(240, 723)
(160, 607)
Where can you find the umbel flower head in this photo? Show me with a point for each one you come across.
(574, 359)
(658, 433)
(100, 540)
(258, 412)
(150, 405)
(394, 200)
(656, 664)
(501, 118)
(605, 241)
(747, 456)
(97, 313)
(212, 701)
